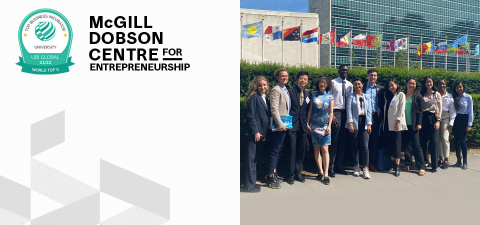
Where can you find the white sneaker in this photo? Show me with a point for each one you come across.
(356, 173)
(366, 174)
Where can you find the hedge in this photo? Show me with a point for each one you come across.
(472, 81)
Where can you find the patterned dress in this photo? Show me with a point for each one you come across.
(319, 118)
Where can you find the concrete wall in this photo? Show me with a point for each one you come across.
(252, 47)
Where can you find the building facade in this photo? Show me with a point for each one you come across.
(427, 20)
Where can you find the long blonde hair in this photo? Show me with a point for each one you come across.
(253, 86)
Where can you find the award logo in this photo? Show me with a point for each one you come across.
(45, 38)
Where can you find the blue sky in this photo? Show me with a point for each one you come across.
(276, 5)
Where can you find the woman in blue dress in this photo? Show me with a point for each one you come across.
(319, 122)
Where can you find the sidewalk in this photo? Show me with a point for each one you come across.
(447, 197)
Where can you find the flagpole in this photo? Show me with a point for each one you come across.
(381, 35)
(457, 55)
(241, 34)
(351, 47)
(366, 46)
(433, 51)
(263, 48)
(319, 42)
(468, 56)
(394, 51)
(335, 44)
(408, 51)
(301, 47)
(421, 51)
(446, 53)
(282, 41)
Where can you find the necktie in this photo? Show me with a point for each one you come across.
(343, 93)
(301, 98)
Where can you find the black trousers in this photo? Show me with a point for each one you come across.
(297, 145)
(460, 134)
(428, 133)
(339, 139)
(411, 141)
(373, 140)
(393, 142)
(360, 140)
(252, 148)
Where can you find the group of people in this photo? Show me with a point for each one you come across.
(421, 119)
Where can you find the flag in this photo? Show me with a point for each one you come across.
(424, 47)
(273, 33)
(397, 45)
(462, 40)
(477, 50)
(441, 47)
(252, 30)
(452, 48)
(360, 40)
(463, 49)
(374, 41)
(327, 38)
(419, 50)
(291, 34)
(343, 40)
(310, 36)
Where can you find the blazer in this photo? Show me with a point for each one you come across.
(380, 99)
(257, 115)
(396, 111)
(278, 104)
(352, 110)
(299, 113)
(416, 111)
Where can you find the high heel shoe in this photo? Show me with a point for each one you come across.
(397, 170)
(459, 163)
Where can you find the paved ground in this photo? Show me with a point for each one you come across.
(447, 197)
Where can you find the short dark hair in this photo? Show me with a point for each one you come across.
(343, 65)
(357, 79)
(388, 94)
(438, 81)
(371, 71)
(277, 72)
(303, 73)
(424, 88)
(320, 78)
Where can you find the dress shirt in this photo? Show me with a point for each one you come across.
(336, 91)
(449, 106)
(288, 97)
(433, 104)
(372, 91)
(264, 97)
(466, 107)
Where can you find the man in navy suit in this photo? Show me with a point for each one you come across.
(377, 96)
(297, 136)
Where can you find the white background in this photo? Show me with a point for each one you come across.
(178, 129)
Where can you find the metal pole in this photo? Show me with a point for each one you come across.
(468, 55)
(394, 52)
(408, 51)
(446, 53)
(433, 51)
(241, 36)
(421, 51)
(282, 41)
(301, 47)
(263, 48)
(366, 46)
(351, 48)
(319, 44)
(335, 44)
(381, 35)
(457, 55)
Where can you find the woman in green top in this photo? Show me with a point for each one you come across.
(411, 137)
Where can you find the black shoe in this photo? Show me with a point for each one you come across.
(290, 180)
(331, 173)
(397, 170)
(300, 178)
(326, 181)
(434, 170)
(277, 178)
(258, 186)
(252, 190)
(458, 164)
(320, 177)
(445, 165)
(464, 167)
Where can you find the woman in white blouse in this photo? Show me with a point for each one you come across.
(446, 124)
(394, 123)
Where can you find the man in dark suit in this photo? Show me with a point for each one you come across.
(297, 136)
(377, 94)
